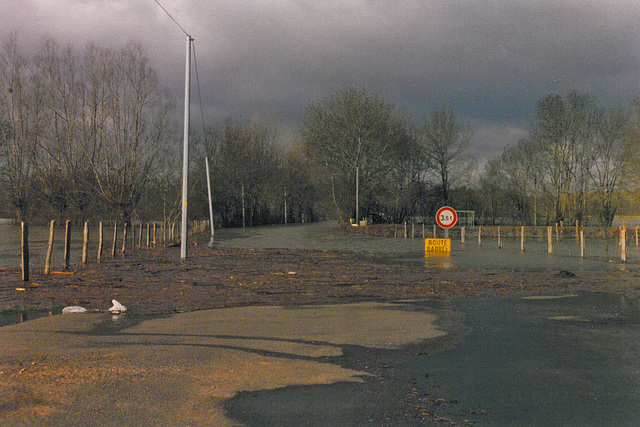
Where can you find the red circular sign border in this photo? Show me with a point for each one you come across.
(447, 208)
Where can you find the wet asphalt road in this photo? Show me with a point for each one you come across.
(544, 361)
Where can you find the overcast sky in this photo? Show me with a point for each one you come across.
(490, 61)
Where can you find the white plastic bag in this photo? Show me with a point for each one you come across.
(117, 308)
(73, 309)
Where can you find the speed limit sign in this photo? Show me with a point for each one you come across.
(446, 217)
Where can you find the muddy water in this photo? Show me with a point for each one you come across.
(600, 255)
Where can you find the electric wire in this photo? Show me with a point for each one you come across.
(172, 18)
(195, 61)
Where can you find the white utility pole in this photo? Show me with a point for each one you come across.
(206, 159)
(184, 236)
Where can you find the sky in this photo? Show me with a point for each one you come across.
(490, 61)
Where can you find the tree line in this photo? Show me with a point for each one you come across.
(578, 163)
(93, 135)
(80, 133)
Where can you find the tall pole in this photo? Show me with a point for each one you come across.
(285, 205)
(357, 195)
(185, 153)
(206, 159)
(243, 223)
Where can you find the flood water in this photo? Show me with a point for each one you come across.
(600, 254)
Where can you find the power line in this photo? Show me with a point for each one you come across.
(172, 18)
(195, 62)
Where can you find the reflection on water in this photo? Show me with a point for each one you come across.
(316, 236)
(439, 260)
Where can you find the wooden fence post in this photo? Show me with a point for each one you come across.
(148, 235)
(47, 261)
(623, 243)
(115, 240)
(499, 239)
(67, 244)
(124, 238)
(582, 244)
(100, 241)
(522, 238)
(25, 252)
(85, 242)
(462, 232)
(550, 239)
(480, 236)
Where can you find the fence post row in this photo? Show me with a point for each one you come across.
(152, 240)
(25, 254)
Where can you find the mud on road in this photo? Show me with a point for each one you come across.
(157, 281)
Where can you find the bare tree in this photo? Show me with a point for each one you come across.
(137, 123)
(445, 143)
(246, 161)
(16, 122)
(492, 189)
(353, 133)
(80, 130)
(610, 166)
(563, 132)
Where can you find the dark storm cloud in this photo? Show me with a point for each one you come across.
(491, 61)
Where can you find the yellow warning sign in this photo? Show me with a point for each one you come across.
(437, 245)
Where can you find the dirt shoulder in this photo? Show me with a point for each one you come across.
(157, 281)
